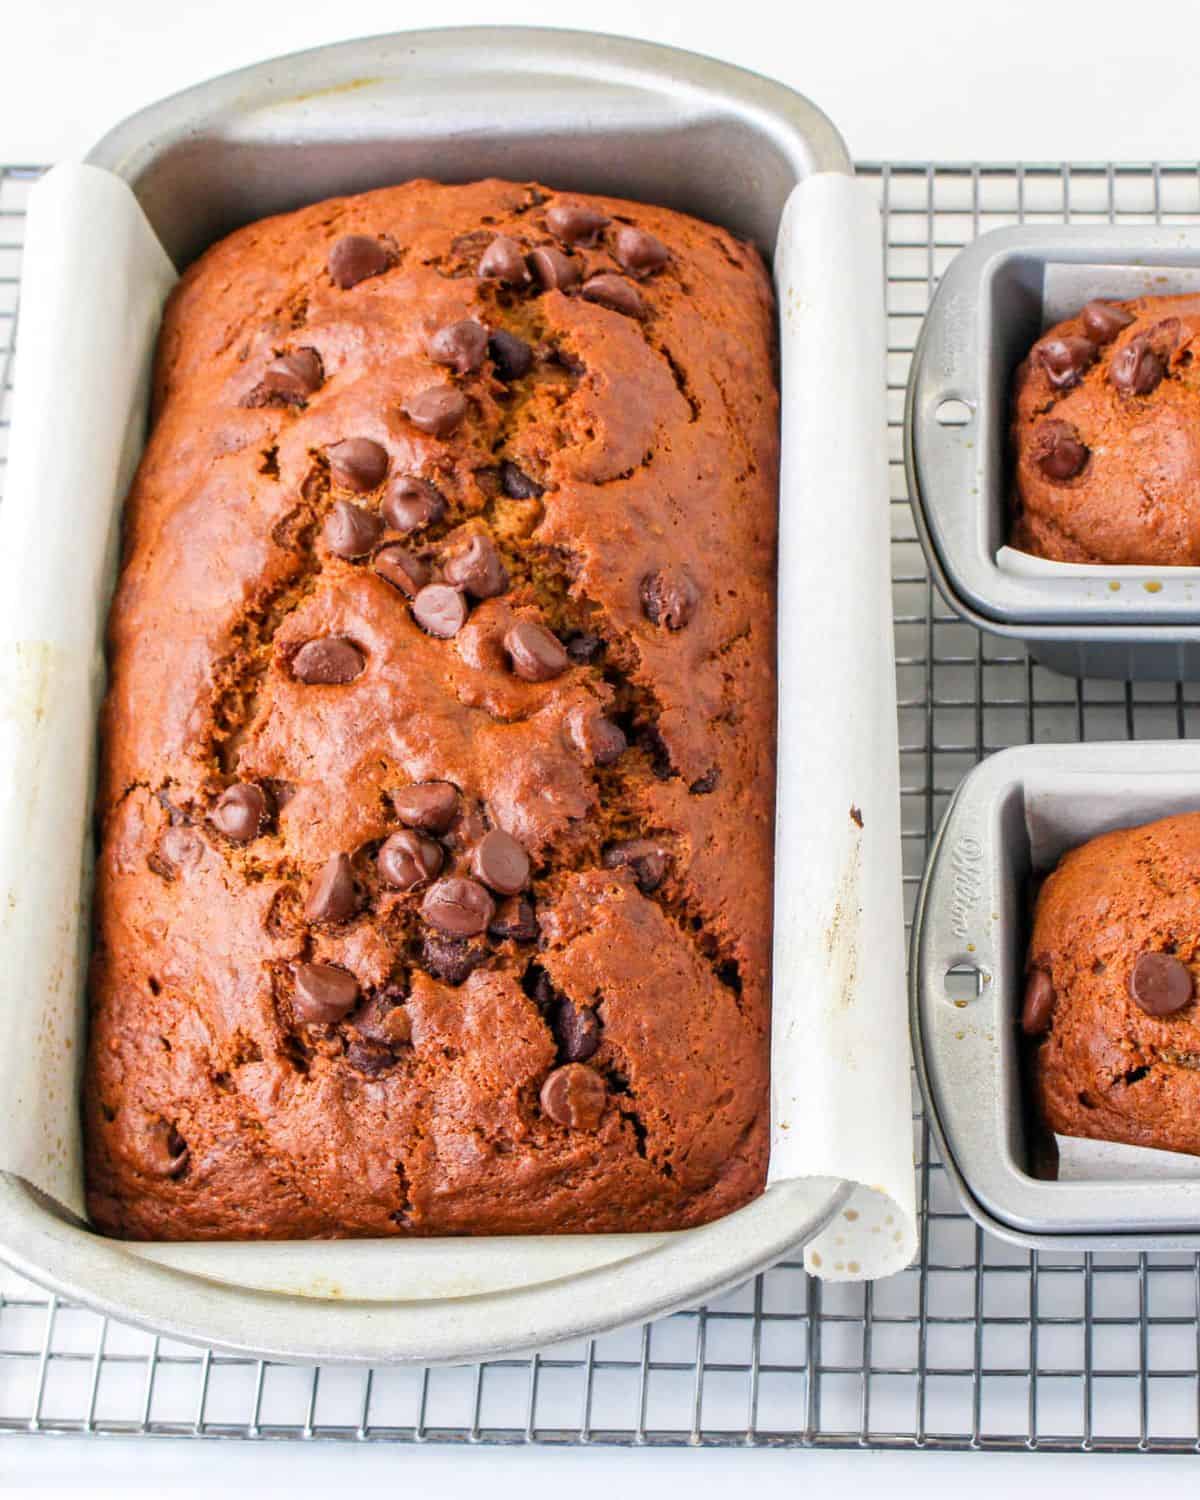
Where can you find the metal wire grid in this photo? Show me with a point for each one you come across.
(977, 1344)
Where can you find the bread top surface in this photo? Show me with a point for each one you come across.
(642, 515)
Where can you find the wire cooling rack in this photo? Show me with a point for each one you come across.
(977, 1344)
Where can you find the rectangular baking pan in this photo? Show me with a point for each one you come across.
(986, 313)
(581, 111)
(972, 914)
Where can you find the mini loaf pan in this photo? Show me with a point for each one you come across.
(582, 111)
(973, 914)
(997, 297)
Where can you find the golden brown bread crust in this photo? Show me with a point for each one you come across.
(1106, 1068)
(1137, 497)
(212, 1109)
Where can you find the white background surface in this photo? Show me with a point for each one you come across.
(1026, 79)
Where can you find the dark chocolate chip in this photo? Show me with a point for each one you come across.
(461, 907)
(355, 257)
(330, 659)
(517, 485)
(574, 1096)
(397, 566)
(615, 293)
(705, 784)
(515, 920)
(512, 356)
(357, 464)
(350, 531)
(1058, 450)
(648, 861)
(430, 806)
(437, 411)
(552, 270)
(477, 568)
(597, 739)
(574, 223)
(451, 959)
(504, 260)
(241, 812)
(1160, 983)
(1065, 359)
(1137, 368)
(500, 862)
(460, 345)
(407, 860)
(639, 251)
(440, 610)
(292, 378)
(411, 503)
(1102, 321)
(576, 1029)
(332, 897)
(368, 1056)
(1039, 1004)
(584, 649)
(669, 597)
(324, 993)
(535, 653)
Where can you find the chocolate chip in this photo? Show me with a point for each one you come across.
(535, 653)
(330, 659)
(518, 485)
(324, 993)
(458, 906)
(355, 257)
(574, 1096)
(639, 251)
(440, 610)
(1039, 1004)
(552, 270)
(1160, 983)
(357, 464)
(332, 897)
(574, 223)
(292, 378)
(615, 293)
(1137, 368)
(1058, 450)
(407, 860)
(477, 568)
(597, 739)
(370, 1057)
(397, 566)
(1065, 359)
(583, 649)
(430, 806)
(460, 345)
(383, 1019)
(350, 531)
(705, 784)
(512, 356)
(669, 597)
(176, 849)
(437, 411)
(515, 920)
(500, 862)
(241, 812)
(648, 861)
(504, 260)
(576, 1029)
(451, 959)
(1102, 321)
(411, 503)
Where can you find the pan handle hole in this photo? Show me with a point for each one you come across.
(952, 412)
(964, 983)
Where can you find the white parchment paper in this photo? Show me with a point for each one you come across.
(840, 1105)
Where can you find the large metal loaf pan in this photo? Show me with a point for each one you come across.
(583, 112)
(989, 308)
(972, 914)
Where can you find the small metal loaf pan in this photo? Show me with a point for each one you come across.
(995, 300)
(972, 914)
(582, 112)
